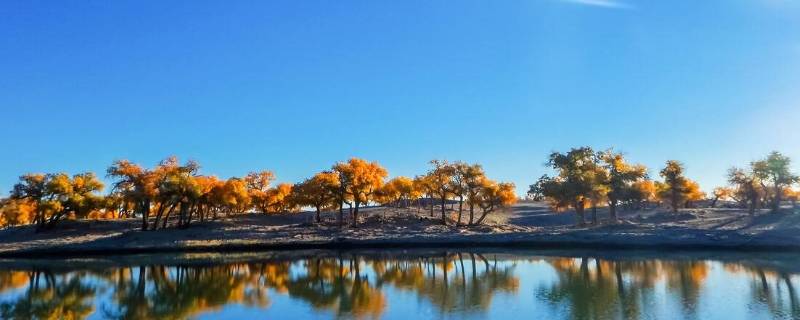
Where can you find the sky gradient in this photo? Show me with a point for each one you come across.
(293, 86)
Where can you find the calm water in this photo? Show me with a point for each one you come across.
(406, 285)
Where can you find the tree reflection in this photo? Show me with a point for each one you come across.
(589, 288)
(51, 296)
(355, 286)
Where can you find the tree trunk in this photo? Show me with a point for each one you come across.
(460, 209)
(674, 200)
(444, 214)
(145, 213)
(776, 201)
(579, 213)
(318, 217)
(612, 210)
(471, 212)
(483, 216)
(355, 214)
(594, 214)
(340, 218)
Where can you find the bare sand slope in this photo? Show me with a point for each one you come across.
(524, 225)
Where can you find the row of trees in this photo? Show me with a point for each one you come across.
(767, 181)
(175, 194)
(586, 178)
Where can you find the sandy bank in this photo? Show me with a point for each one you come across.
(524, 226)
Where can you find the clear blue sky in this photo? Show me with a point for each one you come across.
(293, 86)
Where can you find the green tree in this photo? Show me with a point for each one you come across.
(621, 178)
(747, 186)
(575, 182)
(776, 176)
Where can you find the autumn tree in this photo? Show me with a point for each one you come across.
(474, 178)
(232, 195)
(17, 212)
(693, 193)
(279, 199)
(674, 188)
(258, 183)
(57, 196)
(775, 174)
(494, 195)
(640, 193)
(319, 191)
(720, 193)
(747, 187)
(621, 177)
(424, 186)
(441, 177)
(575, 181)
(134, 185)
(458, 185)
(177, 190)
(360, 180)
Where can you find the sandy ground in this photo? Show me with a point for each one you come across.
(523, 225)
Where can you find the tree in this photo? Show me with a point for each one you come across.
(232, 195)
(495, 195)
(474, 178)
(693, 193)
(575, 182)
(621, 178)
(640, 193)
(774, 171)
(674, 186)
(720, 193)
(258, 183)
(56, 196)
(134, 185)
(441, 179)
(279, 199)
(424, 186)
(360, 180)
(319, 191)
(747, 187)
(458, 185)
(17, 212)
(177, 189)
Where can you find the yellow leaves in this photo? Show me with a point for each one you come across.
(277, 199)
(646, 189)
(17, 212)
(360, 178)
(318, 191)
(693, 192)
(259, 180)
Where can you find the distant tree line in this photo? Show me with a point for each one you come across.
(584, 178)
(174, 194)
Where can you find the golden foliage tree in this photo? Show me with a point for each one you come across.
(319, 191)
(258, 184)
(360, 179)
(57, 196)
(676, 188)
(440, 177)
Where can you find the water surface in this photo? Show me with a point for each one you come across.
(415, 284)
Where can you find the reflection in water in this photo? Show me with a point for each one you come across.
(363, 286)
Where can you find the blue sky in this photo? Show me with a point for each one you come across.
(293, 86)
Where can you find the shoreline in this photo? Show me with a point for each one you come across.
(568, 240)
(524, 226)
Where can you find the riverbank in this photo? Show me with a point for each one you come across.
(527, 225)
